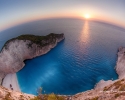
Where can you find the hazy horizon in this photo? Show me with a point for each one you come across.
(18, 12)
(82, 19)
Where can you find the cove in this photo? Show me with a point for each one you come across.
(87, 55)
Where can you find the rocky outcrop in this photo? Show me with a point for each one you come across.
(101, 84)
(120, 66)
(120, 69)
(108, 90)
(6, 94)
(16, 50)
(114, 91)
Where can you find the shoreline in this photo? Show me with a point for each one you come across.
(11, 79)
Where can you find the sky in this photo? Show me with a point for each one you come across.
(14, 12)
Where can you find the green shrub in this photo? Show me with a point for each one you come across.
(52, 97)
(35, 98)
(48, 97)
(51, 38)
(8, 96)
(95, 98)
(122, 88)
(117, 95)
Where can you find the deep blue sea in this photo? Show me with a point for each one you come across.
(87, 55)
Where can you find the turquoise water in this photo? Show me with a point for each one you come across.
(87, 55)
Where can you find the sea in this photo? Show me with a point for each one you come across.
(87, 55)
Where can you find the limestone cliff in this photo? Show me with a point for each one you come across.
(120, 66)
(115, 91)
(6, 94)
(16, 50)
(108, 90)
(120, 69)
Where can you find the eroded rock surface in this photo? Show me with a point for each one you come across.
(120, 66)
(16, 50)
(120, 69)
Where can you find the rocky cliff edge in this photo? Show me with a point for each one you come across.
(18, 49)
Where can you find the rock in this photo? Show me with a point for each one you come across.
(120, 69)
(108, 90)
(120, 66)
(16, 50)
(101, 84)
(114, 91)
(6, 94)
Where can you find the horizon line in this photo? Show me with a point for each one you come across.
(79, 18)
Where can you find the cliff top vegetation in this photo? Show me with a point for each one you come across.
(39, 40)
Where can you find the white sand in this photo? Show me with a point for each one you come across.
(11, 79)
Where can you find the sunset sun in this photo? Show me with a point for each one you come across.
(87, 16)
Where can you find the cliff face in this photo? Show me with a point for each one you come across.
(115, 91)
(24, 47)
(120, 66)
(6, 94)
(120, 69)
(108, 90)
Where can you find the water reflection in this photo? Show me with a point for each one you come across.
(85, 36)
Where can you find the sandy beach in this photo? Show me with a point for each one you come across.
(11, 79)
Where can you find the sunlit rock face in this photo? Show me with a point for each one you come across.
(101, 84)
(120, 66)
(17, 50)
(120, 69)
